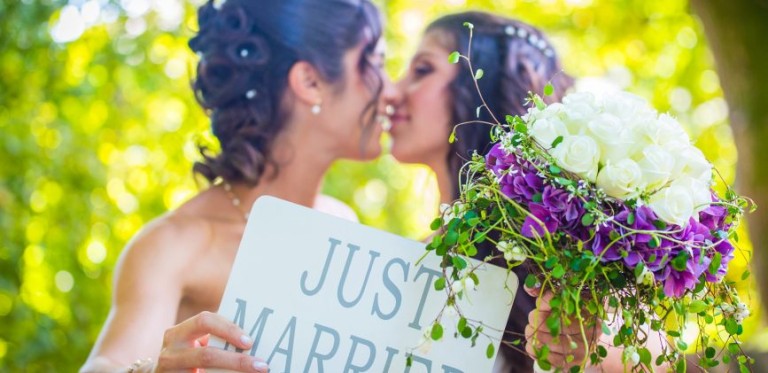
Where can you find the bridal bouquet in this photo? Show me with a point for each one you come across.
(611, 208)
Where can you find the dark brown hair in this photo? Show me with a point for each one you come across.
(516, 59)
(247, 48)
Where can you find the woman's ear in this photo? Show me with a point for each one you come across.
(305, 83)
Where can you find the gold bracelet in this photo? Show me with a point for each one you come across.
(134, 368)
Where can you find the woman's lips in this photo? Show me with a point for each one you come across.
(398, 119)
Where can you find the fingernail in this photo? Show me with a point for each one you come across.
(260, 365)
(246, 340)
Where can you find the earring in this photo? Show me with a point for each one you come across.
(316, 109)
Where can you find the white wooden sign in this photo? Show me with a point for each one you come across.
(322, 294)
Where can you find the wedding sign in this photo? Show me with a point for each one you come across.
(318, 293)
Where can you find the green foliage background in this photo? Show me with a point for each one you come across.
(97, 137)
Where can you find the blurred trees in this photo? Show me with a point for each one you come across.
(737, 31)
(98, 129)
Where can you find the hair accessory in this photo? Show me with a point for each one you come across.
(251, 94)
(532, 39)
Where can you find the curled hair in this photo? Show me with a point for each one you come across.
(514, 63)
(246, 50)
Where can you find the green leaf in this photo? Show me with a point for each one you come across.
(437, 241)
(553, 324)
(606, 329)
(710, 352)
(557, 141)
(714, 266)
(558, 272)
(454, 57)
(530, 281)
(469, 25)
(744, 275)
(680, 262)
(479, 74)
(462, 324)
(436, 224)
(660, 225)
(490, 350)
(510, 119)
(682, 345)
(554, 170)
(538, 198)
(437, 332)
(673, 333)
(631, 218)
(452, 137)
(645, 356)
(587, 220)
(731, 326)
(451, 237)
(697, 306)
(549, 89)
(466, 332)
(459, 262)
(602, 351)
(520, 127)
(440, 284)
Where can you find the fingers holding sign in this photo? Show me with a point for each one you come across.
(185, 346)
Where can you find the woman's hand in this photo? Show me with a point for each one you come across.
(569, 349)
(185, 346)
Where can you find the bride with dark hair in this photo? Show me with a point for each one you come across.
(290, 86)
(435, 95)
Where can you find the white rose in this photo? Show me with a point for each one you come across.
(578, 110)
(578, 154)
(699, 191)
(546, 130)
(690, 161)
(671, 132)
(621, 179)
(611, 136)
(657, 166)
(672, 204)
(554, 110)
(632, 109)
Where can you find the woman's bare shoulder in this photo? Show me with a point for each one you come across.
(171, 238)
(335, 207)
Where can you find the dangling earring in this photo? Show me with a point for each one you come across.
(316, 108)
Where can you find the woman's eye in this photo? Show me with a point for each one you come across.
(422, 70)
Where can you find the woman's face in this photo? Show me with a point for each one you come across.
(421, 122)
(351, 133)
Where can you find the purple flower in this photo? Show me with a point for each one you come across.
(497, 159)
(678, 282)
(533, 228)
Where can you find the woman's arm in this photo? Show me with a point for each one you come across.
(149, 283)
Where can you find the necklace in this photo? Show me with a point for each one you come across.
(235, 200)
